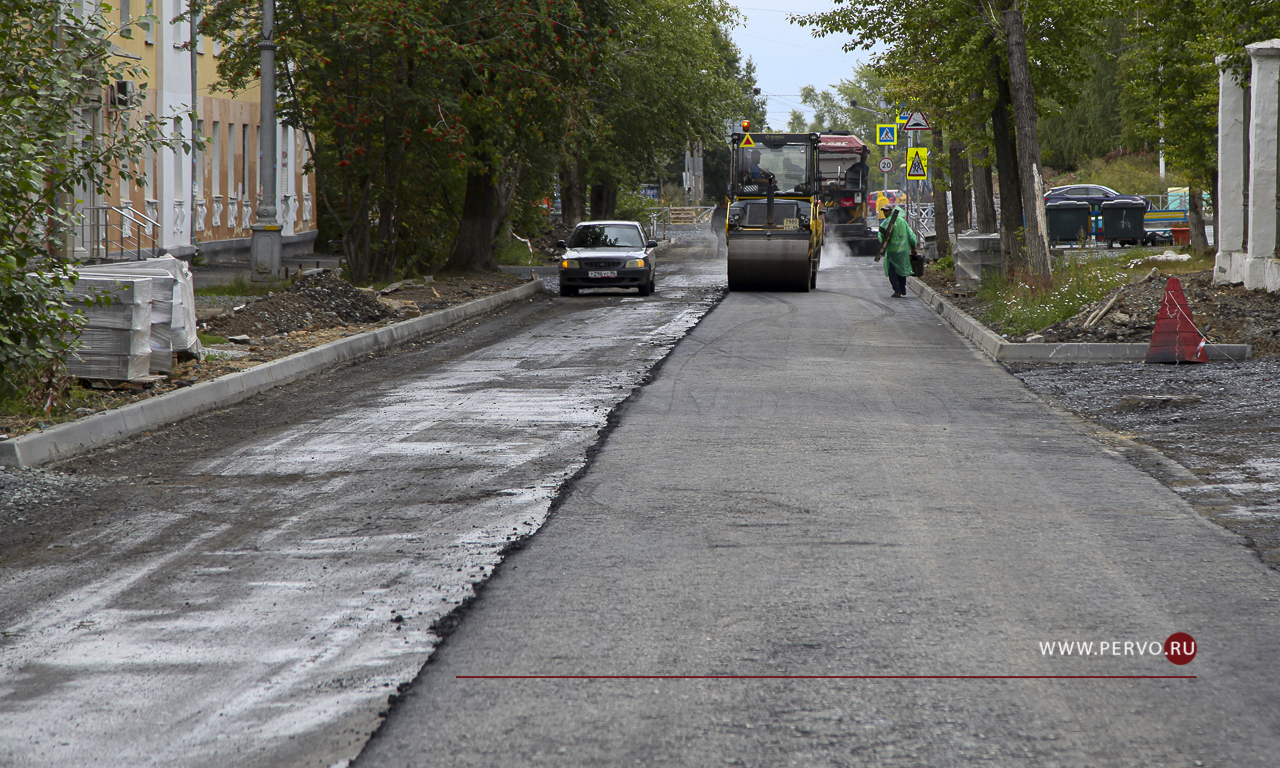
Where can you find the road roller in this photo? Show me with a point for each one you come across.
(773, 229)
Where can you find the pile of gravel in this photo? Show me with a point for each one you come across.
(313, 302)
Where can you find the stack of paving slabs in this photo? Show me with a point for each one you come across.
(115, 343)
(173, 312)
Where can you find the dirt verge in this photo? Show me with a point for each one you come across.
(315, 310)
(1226, 314)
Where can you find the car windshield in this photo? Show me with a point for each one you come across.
(606, 236)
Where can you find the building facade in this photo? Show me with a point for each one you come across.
(201, 201)
(1248, 215)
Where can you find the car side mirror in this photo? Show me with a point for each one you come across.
(561, 244)
(651, 244)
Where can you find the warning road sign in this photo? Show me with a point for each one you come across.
(747, 142)
(886, 164)
(916, 122)
(918, 163)
(886, 134)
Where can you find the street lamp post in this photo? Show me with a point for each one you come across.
(265, 246)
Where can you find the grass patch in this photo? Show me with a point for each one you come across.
(241, 287)
(209, 338)
(516, 254)
(1020, 303)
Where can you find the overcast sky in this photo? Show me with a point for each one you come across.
(788, 57)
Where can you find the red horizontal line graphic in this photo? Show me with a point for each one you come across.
(824, 677)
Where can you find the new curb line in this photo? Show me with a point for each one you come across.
(67, 440)
(1013, 352)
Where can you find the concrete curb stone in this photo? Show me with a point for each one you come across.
(66, 440)
(1012, 352)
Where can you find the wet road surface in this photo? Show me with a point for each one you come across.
(834, 484)
(251, 588)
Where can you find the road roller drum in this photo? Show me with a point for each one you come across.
(770, 264)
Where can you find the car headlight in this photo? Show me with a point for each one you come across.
(733, 221)
(635, 264)
(569, 264)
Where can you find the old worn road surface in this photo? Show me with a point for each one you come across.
(833, 484)
(251, 588)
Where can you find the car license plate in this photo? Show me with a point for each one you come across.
(603, 273)
(790, 223)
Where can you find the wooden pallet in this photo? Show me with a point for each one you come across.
(142, 382)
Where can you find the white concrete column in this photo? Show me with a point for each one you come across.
(1229, 219)
(1264, 153)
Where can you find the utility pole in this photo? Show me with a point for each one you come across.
(264, 248)
(195, 111)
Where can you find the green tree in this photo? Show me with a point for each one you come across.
(56, 140)
(394, 93)
(671, 77)
(949, 59)
(852, 107)
(1171, 82)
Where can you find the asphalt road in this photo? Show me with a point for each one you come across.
(251, 587)
(822, 486)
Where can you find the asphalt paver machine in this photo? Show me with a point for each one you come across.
(773, 229)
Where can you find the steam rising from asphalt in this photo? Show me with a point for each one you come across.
(836, 254)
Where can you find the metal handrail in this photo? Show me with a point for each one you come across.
(100, 228)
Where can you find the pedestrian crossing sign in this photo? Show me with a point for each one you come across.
(747, 142)
(887, 134)
(904, 117)
(918, 163)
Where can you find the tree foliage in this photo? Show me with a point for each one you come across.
(847, 108)
(672, 78)
(443, 115)
(55, 67)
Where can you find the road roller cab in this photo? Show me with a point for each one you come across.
(773, 229)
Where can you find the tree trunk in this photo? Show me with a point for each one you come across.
(983, 193)
(1213, 201)
(1195, 218)
(604, 199)
(505, 192)
(942, 235)
(959, 188)
(572, 201)
(1007, 170)
(1024, 113)
(384, 253)
(473, 247)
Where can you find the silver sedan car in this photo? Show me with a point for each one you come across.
(608, 254)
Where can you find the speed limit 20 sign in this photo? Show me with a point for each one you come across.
(886, 165)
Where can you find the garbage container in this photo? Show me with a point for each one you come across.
(1123, 222)
(1068, 221)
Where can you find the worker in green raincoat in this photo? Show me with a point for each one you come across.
(901, 245)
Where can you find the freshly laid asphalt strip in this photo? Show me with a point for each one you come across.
(72, 438)
(835, 484)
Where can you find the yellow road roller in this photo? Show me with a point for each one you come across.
(774, 227)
